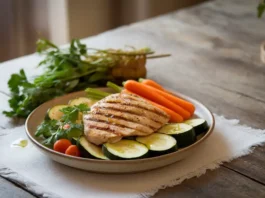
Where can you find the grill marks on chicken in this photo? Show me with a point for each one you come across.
(121, 115)
(134, 110)
(135, 101)
(118, 124)
(127, 116)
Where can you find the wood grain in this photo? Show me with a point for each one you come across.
(215, 59)
(251, 165)
(218, 183)
(9, 190)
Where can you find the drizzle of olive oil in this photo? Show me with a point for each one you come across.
(20, 143)
(124, 147)
(155, 142)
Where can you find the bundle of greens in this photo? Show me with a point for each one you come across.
(71, 69)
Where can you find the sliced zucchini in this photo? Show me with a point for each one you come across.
(125, 150)
(90, 150)
(82, 100)
(199, 125)
(200, 136)
(159, 144)
(54, 113)
(183, 133)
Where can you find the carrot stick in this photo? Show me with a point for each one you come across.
(183, 103)
(148, 93)
(151, 83)
(174, 117)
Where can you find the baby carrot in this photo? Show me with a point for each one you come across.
(151, 83)
(184, 104)
(174, 117)
(148, 93)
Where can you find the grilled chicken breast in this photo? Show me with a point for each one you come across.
(121, 115)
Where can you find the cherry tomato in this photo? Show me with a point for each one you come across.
(61, 145)
(72, 150)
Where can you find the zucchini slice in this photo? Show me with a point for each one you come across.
(200, 136)
(54, 113)
(183, 133)
(199, 125)
(125, 149)
(90, 150)
(159, 144)
(82, 100)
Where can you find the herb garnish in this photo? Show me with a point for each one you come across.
(67, 127)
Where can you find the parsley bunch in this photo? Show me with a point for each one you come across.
(65, 70)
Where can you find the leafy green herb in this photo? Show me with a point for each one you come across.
(25, 96)
(75, 130)
(67, 127)
(261, 8)
(47, 128)
(70, 114)
(67, 70)
(43, 44)
(64, 72)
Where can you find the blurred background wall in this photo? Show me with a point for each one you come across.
(24, 21)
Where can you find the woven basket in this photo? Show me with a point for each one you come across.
(133, 68)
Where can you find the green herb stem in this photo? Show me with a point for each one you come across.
(96, 92)
(115, 87)
(79, 76)
(158, 56)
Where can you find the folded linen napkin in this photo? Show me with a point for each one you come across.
(46, 178)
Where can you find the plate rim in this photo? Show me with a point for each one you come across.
(129, 161)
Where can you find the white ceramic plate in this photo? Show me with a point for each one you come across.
(113, 166)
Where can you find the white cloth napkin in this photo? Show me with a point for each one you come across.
(228, 141)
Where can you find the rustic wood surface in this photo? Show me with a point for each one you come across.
(215, 59)
(9, 190)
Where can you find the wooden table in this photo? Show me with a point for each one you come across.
(215, 59)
